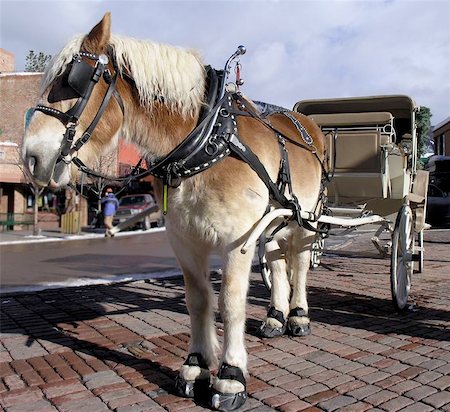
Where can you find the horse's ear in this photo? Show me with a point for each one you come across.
(99, 36)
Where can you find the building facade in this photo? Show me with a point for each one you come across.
(18, 93)
(441, 137)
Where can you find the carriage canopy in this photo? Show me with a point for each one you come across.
(400, 106)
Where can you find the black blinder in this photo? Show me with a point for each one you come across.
(80, 76)
(61, 89)
(73, 83)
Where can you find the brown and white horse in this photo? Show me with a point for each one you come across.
(212, 211)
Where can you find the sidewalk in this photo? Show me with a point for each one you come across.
(24, 236)
(118, 347)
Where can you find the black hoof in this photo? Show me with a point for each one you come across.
(184, 388)
(228, 401)
(294, 329)
(267, 331)
(198, 388)
(298, 330)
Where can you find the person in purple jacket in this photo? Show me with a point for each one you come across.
(109, 205)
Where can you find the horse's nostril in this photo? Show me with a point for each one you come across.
(31, 163)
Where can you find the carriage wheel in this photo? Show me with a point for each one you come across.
(401, 257)
(420, 251)
(317, 251)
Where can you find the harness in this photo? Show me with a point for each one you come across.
(215, 137)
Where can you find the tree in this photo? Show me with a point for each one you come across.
(423, 123)
(37, 191)
(16, 159)
(36, 62)
(107, 165)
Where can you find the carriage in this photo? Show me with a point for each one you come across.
(374, 180)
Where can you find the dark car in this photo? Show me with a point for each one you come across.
(133, 204)
(438, 207)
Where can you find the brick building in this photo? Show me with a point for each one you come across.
(7, 61)
(18, 93)
(441, 137)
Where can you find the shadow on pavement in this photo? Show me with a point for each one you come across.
(346, 309)
(63, 316)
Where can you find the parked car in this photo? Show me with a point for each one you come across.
(438, 207)
(130, 205)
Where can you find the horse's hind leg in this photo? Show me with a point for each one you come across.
(229, 389)
(299, 258)
(275, 323)
(194, 373)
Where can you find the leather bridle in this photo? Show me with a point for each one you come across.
(80, 82)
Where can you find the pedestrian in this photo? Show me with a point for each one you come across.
(110, 205)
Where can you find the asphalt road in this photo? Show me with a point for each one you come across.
(130, 256)
(29, 265)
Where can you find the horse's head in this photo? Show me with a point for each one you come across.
(76, 115)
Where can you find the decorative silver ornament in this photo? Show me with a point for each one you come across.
(103, 59)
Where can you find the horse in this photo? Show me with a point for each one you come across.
(152, 95)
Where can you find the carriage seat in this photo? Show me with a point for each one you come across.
(358, 154)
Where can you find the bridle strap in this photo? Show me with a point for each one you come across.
(63, 117)
(88, 132)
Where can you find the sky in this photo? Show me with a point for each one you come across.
(296, 50)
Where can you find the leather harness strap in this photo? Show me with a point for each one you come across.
(297, 312)
(227, 371)
(276, 314)
(196, 359)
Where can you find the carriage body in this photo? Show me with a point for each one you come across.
(372, 158)
(372, 149)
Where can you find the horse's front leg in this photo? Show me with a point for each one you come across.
(229, 389)
(194, 376)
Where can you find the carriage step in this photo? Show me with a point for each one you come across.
(415, 257)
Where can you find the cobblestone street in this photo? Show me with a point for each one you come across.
(118, 347)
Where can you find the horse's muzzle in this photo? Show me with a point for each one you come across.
(40, 171)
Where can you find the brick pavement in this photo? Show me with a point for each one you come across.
(118, 347)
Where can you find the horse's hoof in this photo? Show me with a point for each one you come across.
(267, 331)
(228, 401)
(184, 388)
(198, 388)
(295, 328)
(298, 330)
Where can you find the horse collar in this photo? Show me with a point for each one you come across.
(207, 144)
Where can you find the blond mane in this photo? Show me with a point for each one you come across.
(160, 71)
